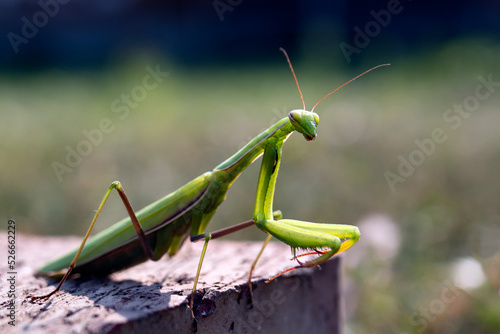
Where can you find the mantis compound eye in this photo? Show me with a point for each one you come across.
(316, 118)
(295, 116)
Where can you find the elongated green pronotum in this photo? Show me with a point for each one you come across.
(163, 226)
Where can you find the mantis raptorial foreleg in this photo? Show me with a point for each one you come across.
(297, 234)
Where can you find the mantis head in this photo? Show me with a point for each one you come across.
(304, 122)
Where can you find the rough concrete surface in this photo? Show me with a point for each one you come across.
(153, 297)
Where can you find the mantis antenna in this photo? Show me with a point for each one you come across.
(336, 89)
(357, 76)
(293, 72)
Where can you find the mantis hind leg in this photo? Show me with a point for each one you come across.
(140, 232)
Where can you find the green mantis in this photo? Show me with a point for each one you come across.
(163, 226)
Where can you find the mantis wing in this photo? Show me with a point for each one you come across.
(165, 222)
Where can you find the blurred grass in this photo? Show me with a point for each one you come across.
(196, 118)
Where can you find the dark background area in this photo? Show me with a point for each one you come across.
(96, 33)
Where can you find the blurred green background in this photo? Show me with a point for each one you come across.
(428, 260)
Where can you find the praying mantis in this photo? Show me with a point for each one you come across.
(162, 227)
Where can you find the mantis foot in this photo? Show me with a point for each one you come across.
(35, 299)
